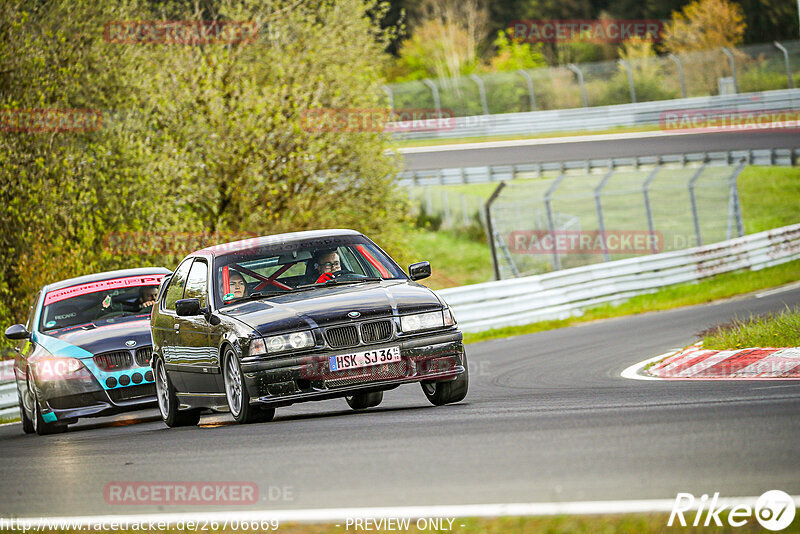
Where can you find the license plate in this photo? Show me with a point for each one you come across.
(366, 358)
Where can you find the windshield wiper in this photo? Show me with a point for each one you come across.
(336, 282)
(255, 296)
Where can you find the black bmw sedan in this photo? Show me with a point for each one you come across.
(257, 324)
(85, 349)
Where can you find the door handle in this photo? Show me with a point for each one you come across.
(177, 327)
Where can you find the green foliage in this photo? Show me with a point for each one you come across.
(511, 54)
(203, 138)
(617, 90)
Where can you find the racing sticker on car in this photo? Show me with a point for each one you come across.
(103, 285)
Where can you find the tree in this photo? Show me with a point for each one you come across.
(512, 54)
(205, 138)
(705, 25)
(445, 40)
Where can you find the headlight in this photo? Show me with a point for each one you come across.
(424, 321)
(60, 369)
(449, 318)
(293, 341)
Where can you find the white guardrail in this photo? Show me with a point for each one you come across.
(561, 294)
(8, 390)
(604, 117)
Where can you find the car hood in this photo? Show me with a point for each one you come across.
(325, 306)
(103, 336)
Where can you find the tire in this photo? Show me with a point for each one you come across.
(237, 395)
(362, 401)
(441, 393)
(27, 424)
(38, 423)
(168, 401)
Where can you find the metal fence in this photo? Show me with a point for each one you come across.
(566, 293)
(751, 68)
(578, 219)
(456, 198)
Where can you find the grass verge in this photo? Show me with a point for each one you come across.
(770, 330)
(708, 290)
(455, 260)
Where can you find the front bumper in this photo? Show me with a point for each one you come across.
(289, 379)
(68, 399)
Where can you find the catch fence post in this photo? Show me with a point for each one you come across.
(574, 68)
(490, 229)
(693, 200)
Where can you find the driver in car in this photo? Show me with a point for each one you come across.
(147, 297)
(327, 263)
(237, 284)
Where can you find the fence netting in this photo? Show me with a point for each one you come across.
(569, 220)
(750, 68)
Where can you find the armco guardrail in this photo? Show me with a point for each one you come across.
(8, 390)
(500, 173)
(561, 294)
(604, 117)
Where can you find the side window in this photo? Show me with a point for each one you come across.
(197, 283)
(176, 285)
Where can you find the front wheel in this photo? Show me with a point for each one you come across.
(168, 401)
(238, 396)
(38, 424)
(362, 401)
(27, 424)
(440, 393)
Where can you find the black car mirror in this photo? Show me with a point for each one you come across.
(420, 270)
(17, 331)
(187, 307)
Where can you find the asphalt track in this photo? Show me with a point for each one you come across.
(545, 150)
(548, 418)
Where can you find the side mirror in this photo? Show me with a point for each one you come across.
(420, 270)
(187, 307)
(17, 331)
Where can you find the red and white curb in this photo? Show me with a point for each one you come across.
(694, 362)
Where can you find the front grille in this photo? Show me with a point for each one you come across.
(375, 373)
(375, 332)
(132, 392)
(143, 355)
(342, 336)
(114, 361)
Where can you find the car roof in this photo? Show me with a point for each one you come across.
(108, 275)
(292, 237)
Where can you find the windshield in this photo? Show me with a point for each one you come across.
(281, 268)
(95, 301)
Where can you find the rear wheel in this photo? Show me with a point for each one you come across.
(440, 393)
(362, 401)
(238, 396)
(168, 401)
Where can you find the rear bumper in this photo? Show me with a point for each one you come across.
(286, 380)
